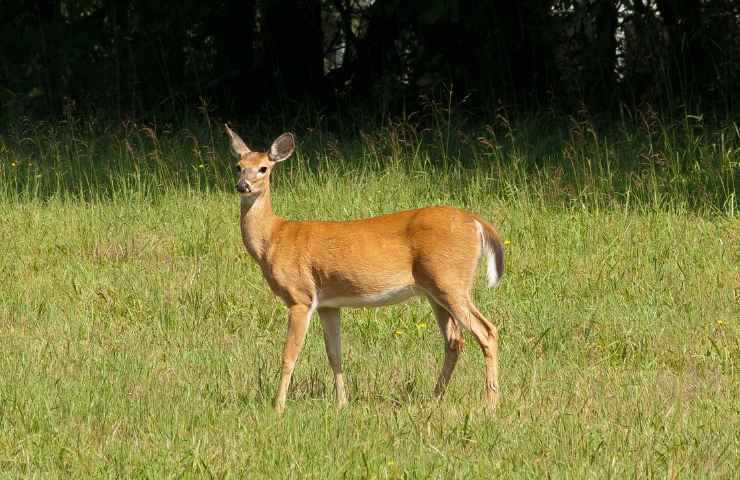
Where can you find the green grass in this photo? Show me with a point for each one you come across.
(139, 339)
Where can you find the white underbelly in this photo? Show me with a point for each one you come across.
(378, 299)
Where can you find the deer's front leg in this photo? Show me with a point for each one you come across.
(298, 318)
(330, 320)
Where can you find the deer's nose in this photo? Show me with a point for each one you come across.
(242, 186)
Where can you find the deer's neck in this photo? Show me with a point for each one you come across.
(258, 223)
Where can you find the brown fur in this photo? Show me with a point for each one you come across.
(318, 265)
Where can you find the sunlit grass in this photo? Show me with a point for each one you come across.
(139, 339)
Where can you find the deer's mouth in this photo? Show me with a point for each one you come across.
(243, 187)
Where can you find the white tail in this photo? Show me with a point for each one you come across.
(494, 254)
(324, 266)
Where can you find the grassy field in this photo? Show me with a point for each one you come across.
(139, 339)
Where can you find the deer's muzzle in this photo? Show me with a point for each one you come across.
(243, 187)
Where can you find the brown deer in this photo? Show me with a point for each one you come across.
(324, 266)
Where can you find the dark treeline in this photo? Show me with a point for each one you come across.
(131, 57)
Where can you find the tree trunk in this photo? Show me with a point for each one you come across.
(294, 47)
(687, 56)
(49, 23)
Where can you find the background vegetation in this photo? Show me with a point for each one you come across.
(137, 338)
(134, 57)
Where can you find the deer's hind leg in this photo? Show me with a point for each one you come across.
(490, 351)
(448, 277)
(464, 312)
(453, 345)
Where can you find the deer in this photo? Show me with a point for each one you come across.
(324, 266)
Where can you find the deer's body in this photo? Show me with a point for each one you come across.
(323, 266)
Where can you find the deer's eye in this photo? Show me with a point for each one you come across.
(263, 169)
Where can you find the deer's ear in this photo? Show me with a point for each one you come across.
(282, 147)
(238, 147)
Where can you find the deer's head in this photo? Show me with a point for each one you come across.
(254, 168)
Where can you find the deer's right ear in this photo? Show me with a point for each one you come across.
(238, 147)
(282, 147)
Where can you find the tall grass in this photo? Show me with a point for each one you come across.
(139, 340)
(640, 162)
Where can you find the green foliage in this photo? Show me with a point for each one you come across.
(137, 57)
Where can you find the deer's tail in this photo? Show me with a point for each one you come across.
(493, 248)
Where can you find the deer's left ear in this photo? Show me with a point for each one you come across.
(238, 147)
(282, 147)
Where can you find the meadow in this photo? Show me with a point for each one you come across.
(138, 339)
